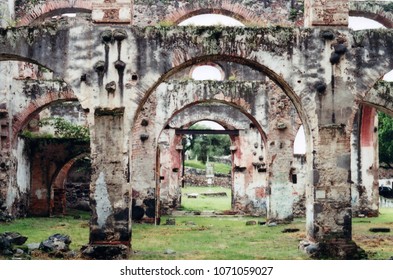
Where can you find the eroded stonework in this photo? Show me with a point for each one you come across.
(129, 68)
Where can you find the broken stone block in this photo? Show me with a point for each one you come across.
(56, 242)
(286, 230)
(14, 238)
(170, 222)
(379, 229)
(169, 252)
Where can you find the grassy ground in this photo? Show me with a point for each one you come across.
(221, 168)
(205, 203)
(197, 237)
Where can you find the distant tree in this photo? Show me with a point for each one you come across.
(206, 146)
(385, 139)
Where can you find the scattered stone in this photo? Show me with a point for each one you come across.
(169, 252)
(192, 195)
(5, 245)
(14, 238)
(379, 229)
(309, 247)
(272, 224)
(33, 246)
(197, 213)
(290, 230)
(312, 249)
(4, 217)
(361, 215)
(105, 252)
(251, 223)
(56, 242)
(214, 194)
(170, 222)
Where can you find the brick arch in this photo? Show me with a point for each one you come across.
(50, 8)
(57, 185)
(220, 119)
(181, 62)
(380, 96)
(61, 174)
(35, 106)
(227, 8)
(372, 10)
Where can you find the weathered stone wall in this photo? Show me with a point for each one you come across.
(120, 74)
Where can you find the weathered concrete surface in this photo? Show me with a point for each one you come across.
(122, 76)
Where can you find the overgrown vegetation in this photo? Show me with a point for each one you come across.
(210, 238)
(385, 139)
(62, 129)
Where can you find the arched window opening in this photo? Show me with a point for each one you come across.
(361, 23)
(210, 20)
(299, 146)
(207, 72)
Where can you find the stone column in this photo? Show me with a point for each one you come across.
(326, 13)
(329, 220)
(110, 232)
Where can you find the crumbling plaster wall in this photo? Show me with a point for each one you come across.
(322, 71)
(270, 110)
(248, 184)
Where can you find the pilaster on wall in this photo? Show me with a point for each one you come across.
(111, 11)
(326, 13)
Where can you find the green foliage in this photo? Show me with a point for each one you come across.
(66, 129)
(30, 134)
(385, 139)
(205, 146)
(388, 7)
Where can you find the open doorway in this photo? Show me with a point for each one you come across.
(207, 168)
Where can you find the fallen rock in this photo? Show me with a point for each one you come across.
(169, 252)
(15, 238)
(379, 229)
(170, 222)
(286, 230)
(56, 242)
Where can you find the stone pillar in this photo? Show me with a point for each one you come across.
(170, 160)
(326, 13)
(280, 150)
(330, 222)
(110, 231)
(249, 173)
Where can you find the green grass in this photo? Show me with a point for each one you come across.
(218, 238)
(210, 238)
(221, 168)
(39, 229)
(204, 203)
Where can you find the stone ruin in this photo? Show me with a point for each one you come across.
(128, 65)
